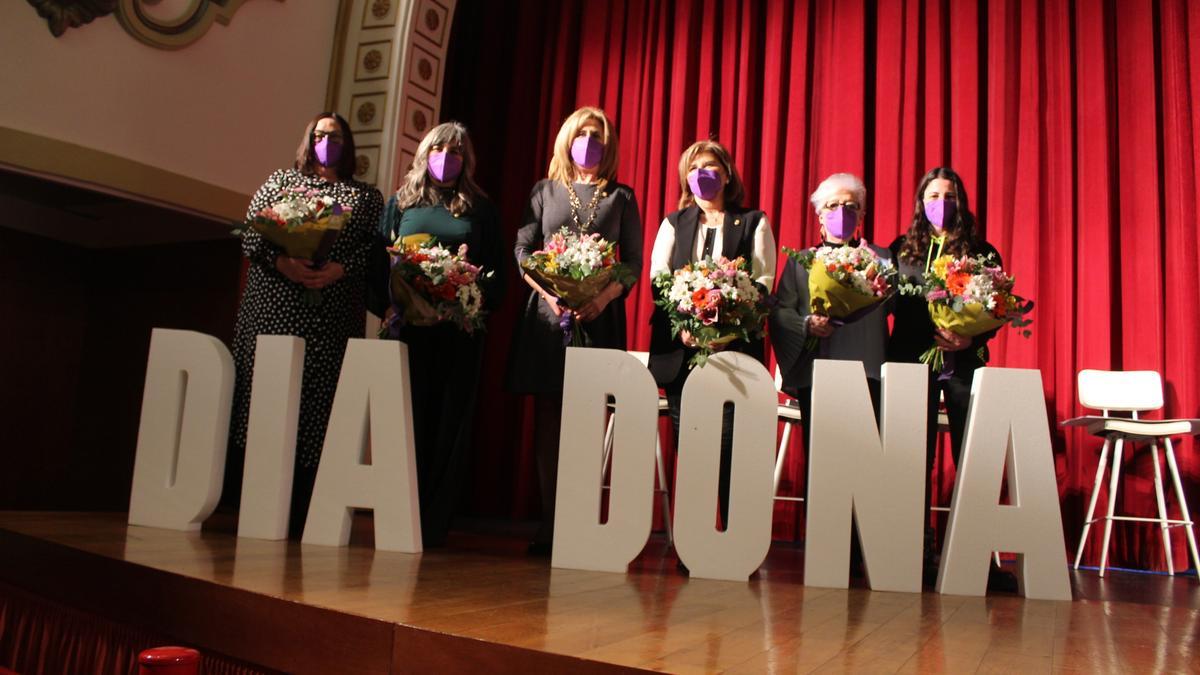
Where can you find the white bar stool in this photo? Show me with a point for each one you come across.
(1132, 392)
(789, 413)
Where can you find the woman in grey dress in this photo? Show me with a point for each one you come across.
(580, 193)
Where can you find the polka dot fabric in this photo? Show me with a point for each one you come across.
(274, 305)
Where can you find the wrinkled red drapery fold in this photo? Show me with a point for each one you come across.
(1071, 121)
(42, 636)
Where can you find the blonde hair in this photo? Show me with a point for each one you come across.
(562, 168)
(734, 191)
(417, 187)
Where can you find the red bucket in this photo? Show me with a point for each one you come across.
(169, 661)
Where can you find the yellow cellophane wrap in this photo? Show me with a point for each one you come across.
(575, 292)
(839, 301)
(973, 320)
(307, 241)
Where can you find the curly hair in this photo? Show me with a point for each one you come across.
(960, 233)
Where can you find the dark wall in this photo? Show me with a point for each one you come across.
(76, 333)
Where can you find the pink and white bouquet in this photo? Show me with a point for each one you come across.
(575, 268)
(430, 284)
(969, 296)
(843, 281)
(301, 221)
(714, 300)
(305, 224)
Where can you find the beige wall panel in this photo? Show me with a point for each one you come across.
(226, 110)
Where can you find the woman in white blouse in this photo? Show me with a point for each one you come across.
(711, 222)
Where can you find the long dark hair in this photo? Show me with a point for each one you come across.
(960, 232)
(306, 157)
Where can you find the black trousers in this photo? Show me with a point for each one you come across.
(444, 366)
(957, 394)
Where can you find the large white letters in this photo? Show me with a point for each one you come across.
(271, 437)
(374, 401)
(1007, 419)
(850, 470)
(876, 476)
(580, 541)
(183, 431)
(738, 551)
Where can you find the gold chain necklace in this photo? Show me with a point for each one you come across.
(576, 206)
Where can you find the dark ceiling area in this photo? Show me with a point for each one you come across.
(95, 219)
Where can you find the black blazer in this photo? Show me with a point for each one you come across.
(912, 331)
(668, 356)
(864, 339)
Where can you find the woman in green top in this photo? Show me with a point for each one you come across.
(438, 197)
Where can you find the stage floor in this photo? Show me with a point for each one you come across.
(481, 604)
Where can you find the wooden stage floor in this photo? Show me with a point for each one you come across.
(482, 604)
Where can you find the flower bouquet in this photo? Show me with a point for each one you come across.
(715, 301)
(969, 296)
(305, 224)
(430, 283)
(843, 281)
(575, 268)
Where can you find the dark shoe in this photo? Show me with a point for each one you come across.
(1002, 581)
(929, 575)
(682, 568)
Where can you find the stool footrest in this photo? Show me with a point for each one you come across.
(1138, 519)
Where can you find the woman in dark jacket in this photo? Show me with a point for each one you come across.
(840, 203)
(942, 224)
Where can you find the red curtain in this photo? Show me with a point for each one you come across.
(1071, 122)
(41, 636)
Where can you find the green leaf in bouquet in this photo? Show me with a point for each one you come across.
(803, 257)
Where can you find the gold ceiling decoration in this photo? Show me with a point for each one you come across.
(63, 14)
(147, 20)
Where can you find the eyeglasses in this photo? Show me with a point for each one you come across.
(335, 135)
(849, 206)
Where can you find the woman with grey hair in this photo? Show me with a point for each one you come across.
(439, 198)
(840, 203)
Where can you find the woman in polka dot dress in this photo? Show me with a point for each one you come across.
(273, 302)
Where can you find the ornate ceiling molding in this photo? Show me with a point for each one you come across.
(63, 14)
(157, 28)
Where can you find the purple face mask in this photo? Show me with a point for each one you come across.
(328, 152)
(444, 166)
(841, 222)
(587, 151)
(705, 183)
(939, 212)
